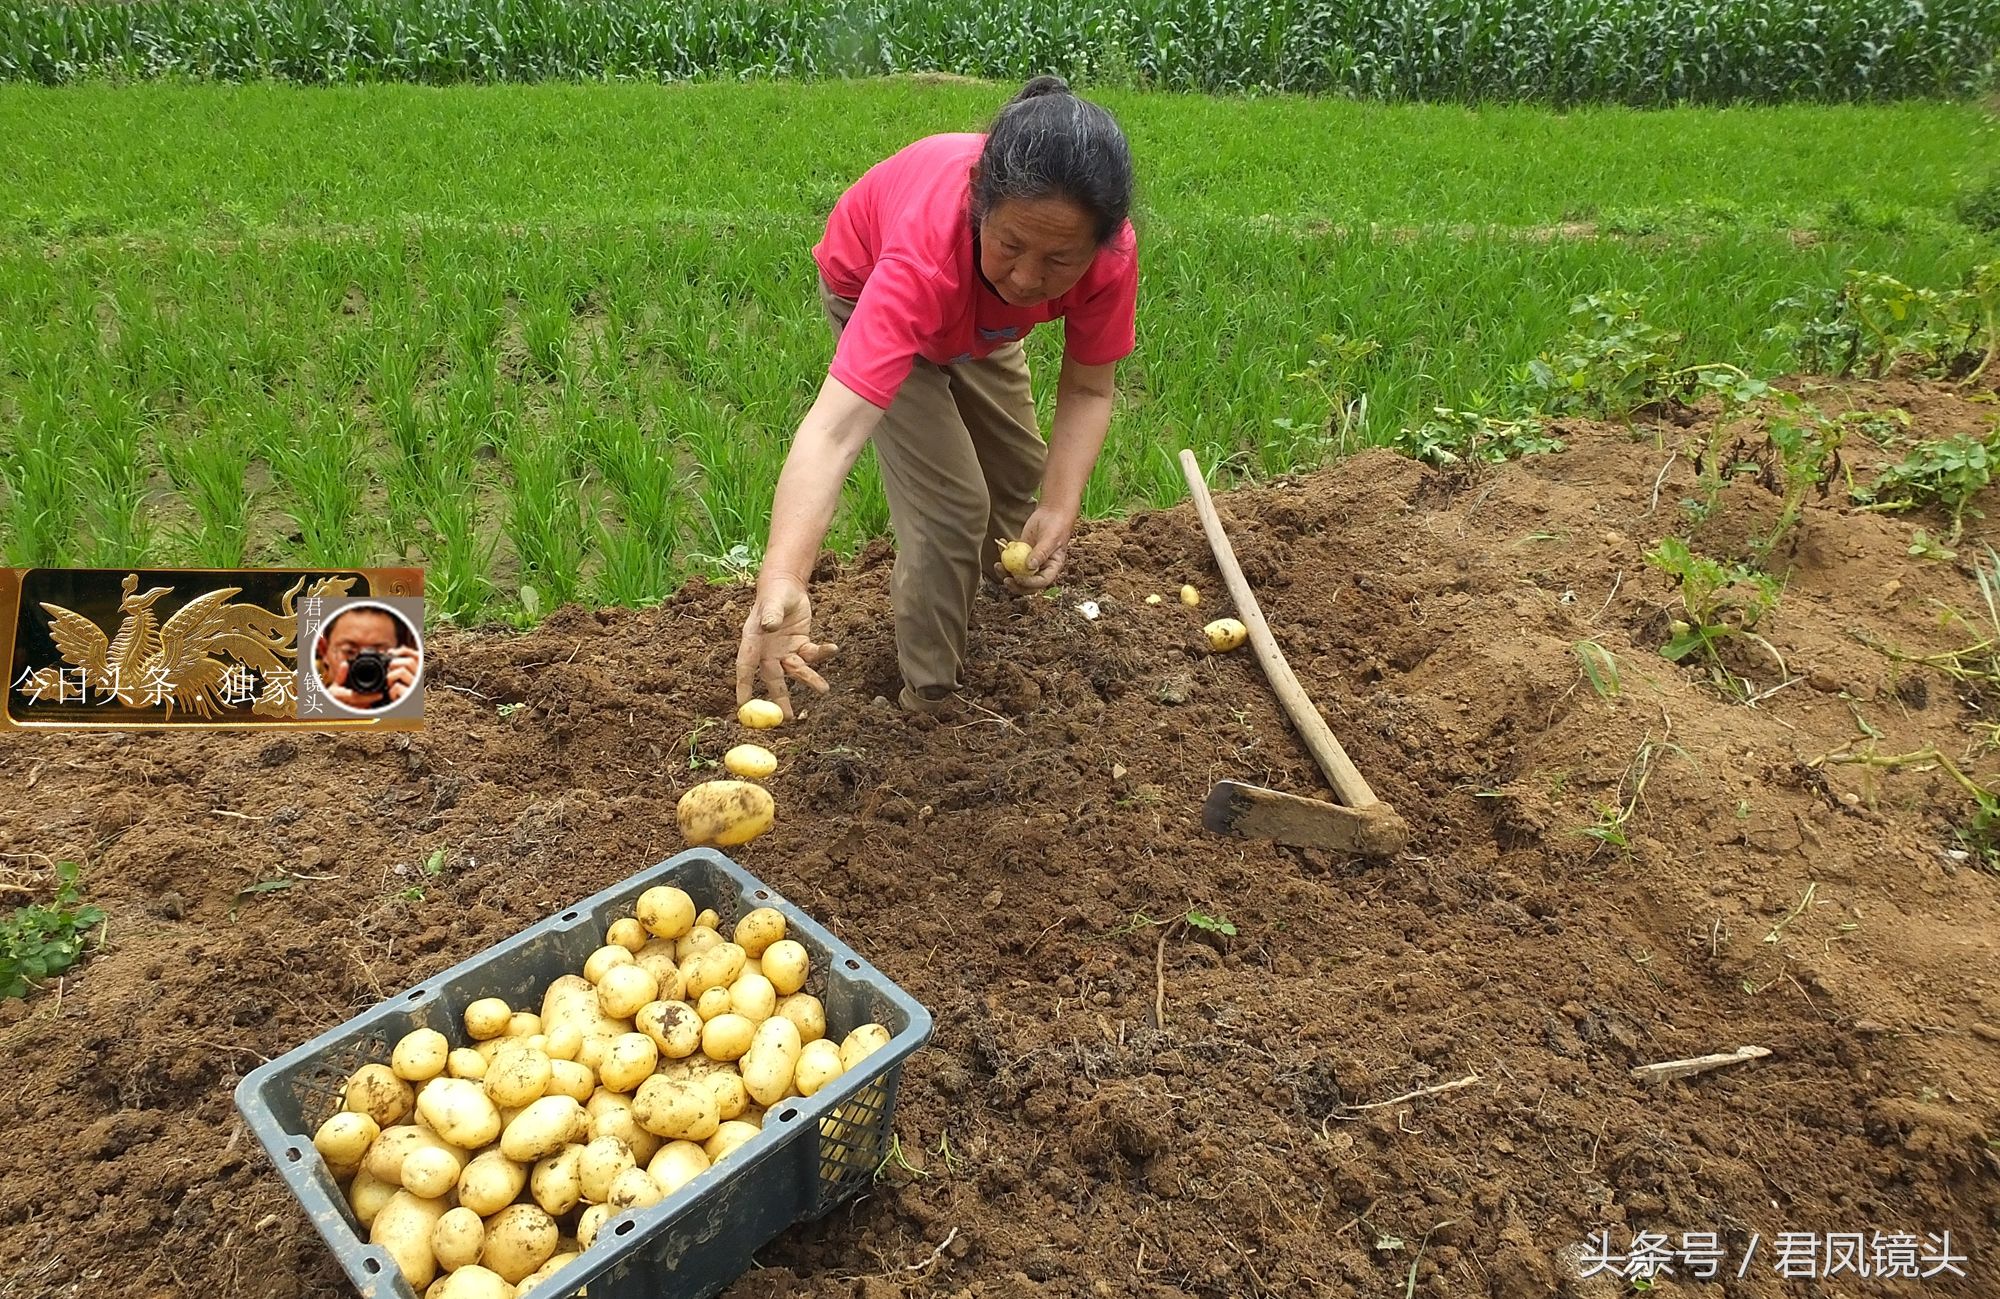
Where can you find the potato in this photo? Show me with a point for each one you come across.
(726, 1037)
(555, 1181)
(343, 1139)
(431, 1172)
(599, 1165)
(732, 1133)
(563, 1041)
(518, 1076)
(862, 1042)
(387, 1152)
(403, 1228)
(725, 813)
(457, 1238)
(696, 941)
(626, 932)
(718, 967)
(657, 959)
(591, 1221)
(707, 918)
(752, 997)
(786, 964)
(712, 1003)
(665, 911)
(611, 1116)
(1225, 634)
(1190, 596)
(465, 1063)
(1015, 557)
(546, 1271)
(490, 1183)
(519, 1239)
(819, 1064)
(375, 1091)
(673, 1026)
(523, 1023)
(628, 1063)
(760, 714)
(806, 1012)
(633, 1189)
(474, 1282)
(750, 761)
(543, 1128)
(676, 1110)
(366, 1195)
(624, 989)
(420, 1056)
(731, 1097)
(604, 960)
(772, 1059)
(677, 1164)
(487, 1018)
(568, 1078)
(758, 929)
(460, 1111)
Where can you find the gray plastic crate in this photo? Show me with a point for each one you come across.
(812, 1154)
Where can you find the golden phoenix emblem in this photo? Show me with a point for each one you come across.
(192, 659)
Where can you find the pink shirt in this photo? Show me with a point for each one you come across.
(899, 242)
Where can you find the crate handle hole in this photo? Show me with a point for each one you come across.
(852, 964)
(622, 1227)
(418, 995)
(787, 1114)
(762, 894)
(371, 1265)
(569, 915)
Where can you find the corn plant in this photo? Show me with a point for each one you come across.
(1643, 52)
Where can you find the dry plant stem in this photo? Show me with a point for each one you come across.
(1438, 1090)
(1893, 761)
(1160, 981)
(1668, 1070)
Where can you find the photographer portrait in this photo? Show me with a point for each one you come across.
(367, 658)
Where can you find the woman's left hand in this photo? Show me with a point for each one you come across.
(1047, 533)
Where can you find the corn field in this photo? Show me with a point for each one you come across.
(1637, 52)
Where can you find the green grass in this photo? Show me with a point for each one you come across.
(1649, 52)
(558, 337)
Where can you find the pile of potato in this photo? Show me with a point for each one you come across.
(483, 1170)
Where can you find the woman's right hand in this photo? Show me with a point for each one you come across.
(777, 643)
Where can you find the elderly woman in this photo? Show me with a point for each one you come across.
(935, 266)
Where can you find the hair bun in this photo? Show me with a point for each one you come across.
(1040, 86)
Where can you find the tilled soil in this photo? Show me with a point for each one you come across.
(1027, 868)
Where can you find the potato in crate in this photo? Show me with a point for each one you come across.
(632, 1097)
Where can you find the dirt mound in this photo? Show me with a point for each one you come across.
(1011, 867)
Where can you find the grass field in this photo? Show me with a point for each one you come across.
(557, 337)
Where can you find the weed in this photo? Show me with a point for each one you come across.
(1946, 472)
(42, 940)
(1600, 667)
(1453, 437)
(1717, 603)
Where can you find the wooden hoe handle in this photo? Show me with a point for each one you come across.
(1340, 771)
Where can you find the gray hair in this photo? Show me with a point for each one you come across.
(1049, 143)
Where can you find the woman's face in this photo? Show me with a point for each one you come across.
(1035, 249)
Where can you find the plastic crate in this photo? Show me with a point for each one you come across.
(812, 1154)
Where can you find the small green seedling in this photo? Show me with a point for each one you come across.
(40, 941)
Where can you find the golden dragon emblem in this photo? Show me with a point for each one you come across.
(185, 661)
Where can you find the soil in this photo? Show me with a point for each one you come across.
(1011, 866)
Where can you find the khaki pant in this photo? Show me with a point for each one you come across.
(961, 454)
